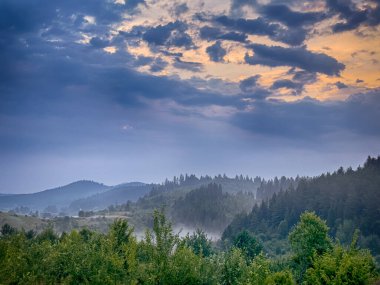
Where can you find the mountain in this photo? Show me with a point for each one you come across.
(347, 199)
(205, 202)
(58, 197)
(115, 195)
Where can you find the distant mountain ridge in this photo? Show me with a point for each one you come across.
(115, 195)
(83, 194)
(60, 196)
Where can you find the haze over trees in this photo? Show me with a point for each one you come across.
(347, 199)
(161, 257)
(321, 230)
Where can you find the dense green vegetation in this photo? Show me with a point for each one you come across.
(346, 199)
(295, 231)
(161, 257)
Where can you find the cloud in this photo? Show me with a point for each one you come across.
(297, 87)
(171, 34)
(248, 84)
(212, 33)
(188, 65)
(143, 60)
(216, 52)
(340, 85)
(132, 5)
(262, 27)
(353, 16)
(283, 14)
(97, 42)
(294, 57)
(237, 5)
(180, 9)
(251, 26)
(312, 120)
(158, 65)
(257, 94)
(160, 34)
(302, 76)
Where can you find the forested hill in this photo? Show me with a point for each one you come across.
(346, 199)
(57, 197)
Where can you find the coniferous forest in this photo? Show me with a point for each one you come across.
(161, 257)
(215, 142)
(321, 230)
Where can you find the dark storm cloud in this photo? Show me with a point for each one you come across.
(311, 120)
(294, 57)
(250, 26)
(262, 27)
(352, 17)
(212, 33)
(297, 87)
(97, 42)
(299, 79)
(252, 89)
(171, 34)
(302, 76)
(258, 94)
(77, 86)
(248, 84)
(135, 32)
(160, 34)
(283, 14)
(216, 52)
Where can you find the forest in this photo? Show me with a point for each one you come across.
(347, 199)
(162, 257)
(320, 230)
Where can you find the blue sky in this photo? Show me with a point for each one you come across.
(141, 90)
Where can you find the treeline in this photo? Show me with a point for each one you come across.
(270, 187)
(348, 199)
(239, 183)
(208, 207)
(161, 257)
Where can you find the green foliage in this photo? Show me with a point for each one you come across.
(259, 270)
(308, 238)
(162, 258)
(280, 278)
(8, 230)
(198, 243)
(248, 244)
(341, 266)
(346, 199)
(235, 269)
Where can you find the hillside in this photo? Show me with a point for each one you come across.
(57, 197)
(346, 199)
(209, 208)
(181, 200)
(116, 195)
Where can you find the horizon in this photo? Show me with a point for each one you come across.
(142, 90)
(158, 182)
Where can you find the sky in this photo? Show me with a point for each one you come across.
(142, 90)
